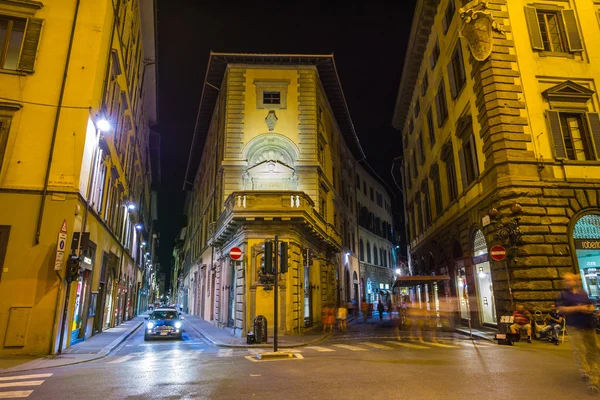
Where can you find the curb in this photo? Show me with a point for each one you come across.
(216, 343)
(104, 353)
(474, 334)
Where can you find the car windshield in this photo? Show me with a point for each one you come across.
(164, 315)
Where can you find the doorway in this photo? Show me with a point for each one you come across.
(231, 313)
(483, 273)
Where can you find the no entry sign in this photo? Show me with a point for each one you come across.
(235, 253)
(498, 253)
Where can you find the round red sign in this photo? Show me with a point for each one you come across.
(498, 253)
(235, 253)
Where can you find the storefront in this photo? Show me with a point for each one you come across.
(586, 238)
(378, 283)
(483, 280)
(78, 324)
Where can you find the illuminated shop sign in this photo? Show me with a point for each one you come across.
(586, 244)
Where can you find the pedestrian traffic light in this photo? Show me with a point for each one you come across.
(267, 257)
(73, 268)
(283, 256)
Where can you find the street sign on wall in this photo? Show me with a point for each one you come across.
(61, 245)
(498, 253)
(235, 253)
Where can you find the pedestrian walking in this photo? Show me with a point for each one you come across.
(325, 317)
(380, 309)
(578, 310)
(330, 317)
(364, 307)
(342, 315)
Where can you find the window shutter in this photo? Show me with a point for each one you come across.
(594, 130)
(438, 110)
(535, 35)
(474, 155)
(30, 44)
(463, 168)
(556, 134)
(4, 126)
(452, 78)
(573, 37)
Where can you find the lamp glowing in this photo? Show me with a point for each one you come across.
(131, 207)
(139, 227)
(398, 271)
(103, 125)
(143, 244)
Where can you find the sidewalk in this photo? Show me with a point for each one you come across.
(93, 348)
(223, 337)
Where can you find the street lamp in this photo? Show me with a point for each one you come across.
(139, 227)
(131, 207)
(103, 125)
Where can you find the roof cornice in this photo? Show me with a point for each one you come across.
(423, 19)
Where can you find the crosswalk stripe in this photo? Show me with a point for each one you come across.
(17, 394)
(32, 376)
(121, 359)
(377, 346)
(408, 345)
(255, 351)
(21, 383)
(225, 353)
(320, 349)
(443, 345)
(348, 347)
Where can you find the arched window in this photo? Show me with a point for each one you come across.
(368, 252)
(375, 255)
(361, 250)
(385, 263)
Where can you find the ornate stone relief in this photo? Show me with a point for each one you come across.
(477, 28)
(271, 120)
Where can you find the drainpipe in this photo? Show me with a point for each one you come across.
(356, 191)
(38, 228)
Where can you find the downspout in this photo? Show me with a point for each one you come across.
(356, 191)
(215, 215)
(38, 228)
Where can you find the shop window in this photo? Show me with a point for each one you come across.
(553, 30)
(586, 237)
(441, 107)
(19, 38)
(483, 279)
(456, 72)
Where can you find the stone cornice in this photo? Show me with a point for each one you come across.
(24, 3)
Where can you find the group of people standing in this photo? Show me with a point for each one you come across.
(329, 315)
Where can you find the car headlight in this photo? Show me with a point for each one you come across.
(178, 324)
(150, 325)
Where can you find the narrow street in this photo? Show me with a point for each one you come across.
(345, 366)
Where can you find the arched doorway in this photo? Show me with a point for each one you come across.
(483, 279)
(586, 238)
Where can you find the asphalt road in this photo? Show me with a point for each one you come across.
(342, 367)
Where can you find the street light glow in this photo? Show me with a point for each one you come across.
(139, 227)
(398, 271)
(143, 244)
(131, 207)
(103, 125)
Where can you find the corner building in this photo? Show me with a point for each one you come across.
(78, 97)
(273, 153)
(498, 113)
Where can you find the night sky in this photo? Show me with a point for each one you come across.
(368, 42)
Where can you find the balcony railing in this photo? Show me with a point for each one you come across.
(254, 205)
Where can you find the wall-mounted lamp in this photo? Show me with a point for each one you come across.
(139, 227)
(103, 125)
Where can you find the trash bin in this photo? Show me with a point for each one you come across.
(260, 329)
(250, 339)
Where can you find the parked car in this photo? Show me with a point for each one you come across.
(163, 322)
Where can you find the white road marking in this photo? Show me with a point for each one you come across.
(32, 376)
(17, 394)
(377, 346)
(408, 345)
(21, 383)
(443, 345)
(320, 349)
(225, 353)
(121, 359)
(348, 347)
(255, 374)
(256, 351)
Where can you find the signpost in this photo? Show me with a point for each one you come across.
(235, 253)
(498, 253)
(60, 246)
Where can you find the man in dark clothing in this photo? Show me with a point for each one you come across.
(578, 309)
(554, 322)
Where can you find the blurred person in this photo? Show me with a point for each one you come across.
(554, 323)
(578, 310)
(522, 320)
(364, 306)
(415, 317)
(324, 317)
(380, 309)
(342, 315)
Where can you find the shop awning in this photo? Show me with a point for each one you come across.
(404, 281)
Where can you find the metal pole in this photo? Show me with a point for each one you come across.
(64, 318)
(276, 293)
(512, 302)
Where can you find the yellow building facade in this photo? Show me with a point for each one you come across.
(498, 109)
(274, 153)
(76, 104)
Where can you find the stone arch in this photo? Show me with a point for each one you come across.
(584, 239)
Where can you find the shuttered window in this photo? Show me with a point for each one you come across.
(435, 55)
(426, 202)
(451, 176)
(575, 136)
(468, 161)
(4, 127)
(424, 84)
(437, 190)
(456, 72)
(421, 150)
(19, 38)
(430, 127)
(441, 107)
(553, 30)
(448, 15)
(417, 108)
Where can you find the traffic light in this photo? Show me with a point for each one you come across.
(283, 256)
(73, 268)
(267, 257)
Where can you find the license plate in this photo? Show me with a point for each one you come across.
(500, 335)
(163, 333)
